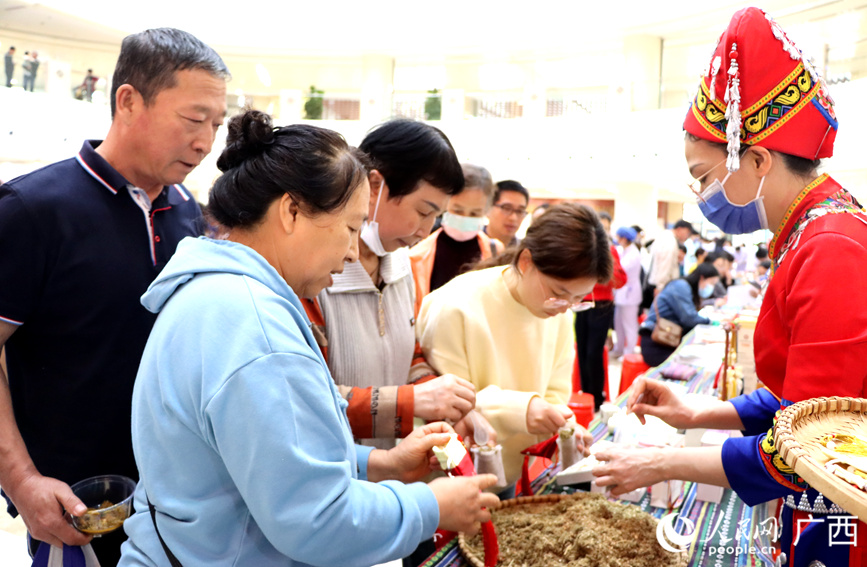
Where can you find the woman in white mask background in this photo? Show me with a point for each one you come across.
(365, 322)
(460, 241)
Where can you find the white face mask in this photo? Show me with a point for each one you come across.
(370, 230)
(461, 228)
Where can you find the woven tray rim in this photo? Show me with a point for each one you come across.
(849, 497)
(510, 503)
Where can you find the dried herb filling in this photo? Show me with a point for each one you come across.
(585, 530)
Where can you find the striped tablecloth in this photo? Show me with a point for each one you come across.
(728, 534)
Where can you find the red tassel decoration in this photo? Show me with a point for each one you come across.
(544, 449)
(465, 468)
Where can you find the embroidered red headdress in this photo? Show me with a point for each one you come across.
(760, 89)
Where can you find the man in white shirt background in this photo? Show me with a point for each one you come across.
(665, 263)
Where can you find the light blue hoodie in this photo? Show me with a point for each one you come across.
(240, 436)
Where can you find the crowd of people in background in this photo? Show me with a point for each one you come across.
(30, 67)
(462, 326)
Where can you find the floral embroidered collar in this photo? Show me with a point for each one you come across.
(836, 200)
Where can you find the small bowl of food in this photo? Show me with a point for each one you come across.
(109, 502)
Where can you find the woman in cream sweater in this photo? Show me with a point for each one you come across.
(508, 328)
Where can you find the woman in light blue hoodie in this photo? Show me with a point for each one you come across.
(240, 436)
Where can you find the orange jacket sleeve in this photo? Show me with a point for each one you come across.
(373, 412)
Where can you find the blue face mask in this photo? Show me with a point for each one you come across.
(706, 291)
(731, 218)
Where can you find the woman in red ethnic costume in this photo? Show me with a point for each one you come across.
(760, 123)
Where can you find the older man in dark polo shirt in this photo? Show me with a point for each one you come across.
(80, 241)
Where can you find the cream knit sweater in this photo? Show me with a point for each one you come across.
(472, 327)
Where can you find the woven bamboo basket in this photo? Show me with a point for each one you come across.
(797, 435)
(476, 561)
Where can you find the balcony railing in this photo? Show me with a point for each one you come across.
(409, 105)
(333, 107)
(576, 104)
(503, 105)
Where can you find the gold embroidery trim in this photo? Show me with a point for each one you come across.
(801, 196)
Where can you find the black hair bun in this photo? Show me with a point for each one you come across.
(250, 133)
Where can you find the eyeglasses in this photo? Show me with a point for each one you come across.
(692, 186)
(509, 210)
(558, 303)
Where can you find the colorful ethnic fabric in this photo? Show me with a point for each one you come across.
(760, 89)
(763, 118)
(840, 202)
